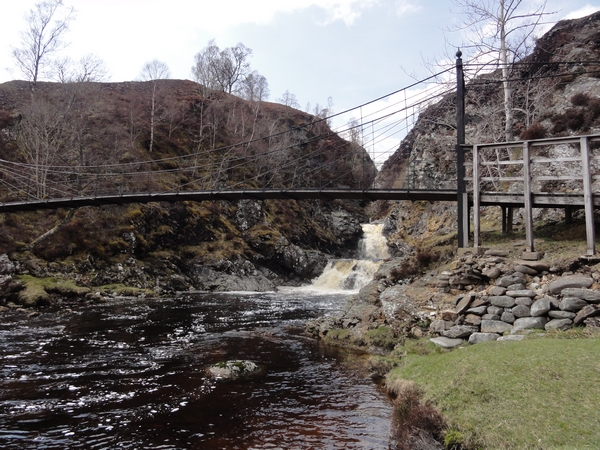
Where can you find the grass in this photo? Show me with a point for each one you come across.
(539, 393)
(37, 290)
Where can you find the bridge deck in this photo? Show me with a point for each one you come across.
(539, 200)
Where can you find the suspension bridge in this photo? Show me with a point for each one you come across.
(312, 162)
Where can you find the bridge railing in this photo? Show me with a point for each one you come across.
(562, 172)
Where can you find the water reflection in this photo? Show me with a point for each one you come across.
(132, 375)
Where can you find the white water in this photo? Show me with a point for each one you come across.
(353, 274)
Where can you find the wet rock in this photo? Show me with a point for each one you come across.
(229, 370)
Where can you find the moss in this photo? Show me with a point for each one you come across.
(37, 290)
(382, 336)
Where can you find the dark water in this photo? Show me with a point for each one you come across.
(131, 375)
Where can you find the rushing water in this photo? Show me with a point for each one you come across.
(131, 374)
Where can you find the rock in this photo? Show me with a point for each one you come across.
(480, 310)
(448, 315)
(570, 281)
(572, 304)
(528, 323)
(516, 287)
(585, 294)
(494, 326)
(531, 256)
(526, 270)
(592, 322)
(521, 311)
(397, 305)
(512, 337)
(477, 338)
(524, 301)
(229, 370)
(459, 331)
(490, 317)
(493, 252)
(478, 302)
(507, 317)
(559, 324)
(503, 301)
(439, 326)
(473, 319)
(7, 267)
(588, 311)
(496, 290)
(536, 265)
(495, 310)
(445, 342)
(463, 304)
(492, 273)
(562, 314)
(521, 293)
(508, 280)
(540, 307)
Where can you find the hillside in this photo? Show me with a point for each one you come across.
(557, 93)
(245, 245)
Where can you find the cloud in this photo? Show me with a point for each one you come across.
(406, 7)
(582, 12)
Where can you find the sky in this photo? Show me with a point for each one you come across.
(353, 51)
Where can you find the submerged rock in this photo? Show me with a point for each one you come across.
(229, 370)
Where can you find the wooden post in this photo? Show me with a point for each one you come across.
(587, 196)
(527, 197)
(510, 214)
(568, 214)
(462, 199)
(476, 197)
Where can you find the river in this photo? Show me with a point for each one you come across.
(131, 374)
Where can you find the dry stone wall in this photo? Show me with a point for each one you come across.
(504, 298)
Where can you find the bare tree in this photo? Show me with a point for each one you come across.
(255, 87)
(222, 70)
(289, 99)
(46, 23)
(154, 71)
(498, 33)
(90, 68)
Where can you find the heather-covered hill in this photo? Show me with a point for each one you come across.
(248, 245)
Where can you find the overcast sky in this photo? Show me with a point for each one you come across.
(350, 50)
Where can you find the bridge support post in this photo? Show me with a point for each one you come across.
(476, 198)
(462, 199)
(587, 196)
(527, 197)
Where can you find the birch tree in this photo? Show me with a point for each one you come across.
(46, 24)
(498, 33)
(154, 71)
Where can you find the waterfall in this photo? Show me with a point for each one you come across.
(353, 274)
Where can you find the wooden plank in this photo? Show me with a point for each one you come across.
(587, 194)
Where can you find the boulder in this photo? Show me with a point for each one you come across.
(540, 307)
(585, 294)
(528, 323)
(559, 324)
(477, 338)
(572, 304)
(459, 331)
(494, 326)
(7, 267)
(588, 311)
(570, 281)
(228, 370)
(521, 311)
(445, 342)
(561, 314)
(503, 301)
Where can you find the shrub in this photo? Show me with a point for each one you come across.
(416, 422)
(535, 131)
(426, 256)
(382, 337)
(580, 99)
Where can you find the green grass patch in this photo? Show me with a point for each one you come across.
(535, 394)
(123, 291)
(382, 337)
(37, 290)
